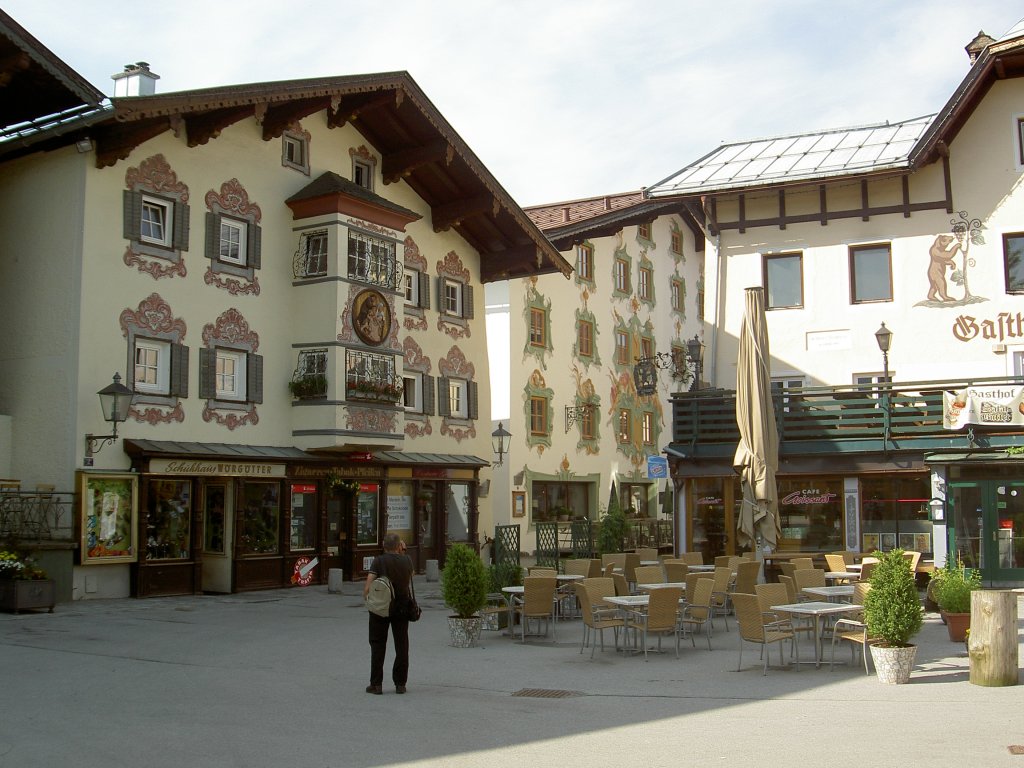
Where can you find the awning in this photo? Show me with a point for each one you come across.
(972, 457)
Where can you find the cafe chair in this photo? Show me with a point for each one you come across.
(621, 585)
(787, 581)
(691, 583)
(600, 587)
(595, 568)
(675, 571)
(692, 558)
(836, 563)
(616, 559)
(720, 604)
(764, 630)
(723, 561)
(800, 563)
(596, 616)
(697, 613)
(629, 566)
(853, 630)
(538, 603)
(807, 577)
(660, 617)
(650, 574)
(777, 594)
(566, 591)
(747, 572)
(537, 570)
(647, 553)
(867, 565)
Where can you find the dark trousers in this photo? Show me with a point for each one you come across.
(379, 646)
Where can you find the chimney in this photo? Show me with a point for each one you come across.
(136, 80)
(980, 42)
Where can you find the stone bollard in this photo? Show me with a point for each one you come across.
(335, 580)
(433, 574)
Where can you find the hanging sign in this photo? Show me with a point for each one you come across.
(657, 467)
(996, 405)
(303, 571)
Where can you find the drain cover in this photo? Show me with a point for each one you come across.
(546, 693)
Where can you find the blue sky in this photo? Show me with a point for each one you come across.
(561, 100)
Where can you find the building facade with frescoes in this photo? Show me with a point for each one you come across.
(891, 260)
(288, 277)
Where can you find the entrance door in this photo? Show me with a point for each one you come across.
(217, 537)
(988, 528)
(427, 517)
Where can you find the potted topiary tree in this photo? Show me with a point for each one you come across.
(894, 614)
(464, 583)
(953, 588)
(612, 531)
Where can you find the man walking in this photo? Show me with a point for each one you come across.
(397, 567)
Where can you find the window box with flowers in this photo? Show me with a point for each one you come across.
(23, 584)
(309, 387)
(378, 391)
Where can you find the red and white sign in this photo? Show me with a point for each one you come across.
(303, 571)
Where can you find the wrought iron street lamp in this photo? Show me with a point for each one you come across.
(500, 438)
(695, 353)
(884, 338)
(115, 400)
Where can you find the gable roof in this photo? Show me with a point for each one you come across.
(416, 143)
(34, 83)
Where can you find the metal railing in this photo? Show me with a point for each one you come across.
(34, 516)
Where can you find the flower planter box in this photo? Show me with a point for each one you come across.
(24, 594)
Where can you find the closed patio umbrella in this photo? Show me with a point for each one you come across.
(757, 455)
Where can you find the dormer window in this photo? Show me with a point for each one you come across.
(362, 173)
(295, 150)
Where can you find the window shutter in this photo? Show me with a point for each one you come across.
(181, 225)
(428, 395)
(424, 279)
(179, 371)
(132, 214)
(212, 236)
(472, 405)
(444, 400)
(467, 302)
(254, 377)
(255, 245)
(440, 295)
(208, 373)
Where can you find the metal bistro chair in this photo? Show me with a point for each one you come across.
(853, 629)
(720, 604)
(675, 572)
(650, 574)
(697, 612)
(596, 617)
(692, 558)
(747, 572)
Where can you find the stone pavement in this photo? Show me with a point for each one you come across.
(276, 679)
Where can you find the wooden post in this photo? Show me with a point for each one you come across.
(992, 644)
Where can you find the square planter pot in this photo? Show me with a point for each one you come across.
(23, 595)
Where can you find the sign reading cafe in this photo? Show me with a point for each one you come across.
(983, 405)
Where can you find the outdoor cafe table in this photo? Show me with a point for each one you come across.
(702, 568)
(624, 603)
(842, 575)
(832, 594)
(817, 610)
(663, 584)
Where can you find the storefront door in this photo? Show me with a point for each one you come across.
(427, 521)
(217, 537)
(987, 527)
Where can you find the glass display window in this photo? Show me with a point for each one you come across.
(457, 506)
(302, 527)
(811, 514)
(399, 503)
(213, 530)
(168, 519)
(259, 518)
(366, 514)
(709, 523)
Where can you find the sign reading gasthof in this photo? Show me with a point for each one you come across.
(221, 468)
(1000, 405)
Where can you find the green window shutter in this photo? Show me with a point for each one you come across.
(444, 403)
(181, 226)
(132, 214)
(254, 378)
(424, 279)
(255, 245)
(208, 373)
(212, 236)
(467, 302)
(428, 395)
(473, 405)
(179, 371)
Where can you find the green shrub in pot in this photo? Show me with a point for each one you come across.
(892, 608)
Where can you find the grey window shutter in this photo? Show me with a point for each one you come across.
(179, 370)
(212, 236)
(208, 373)
(132, 214)
(428, 395)
(424, 279)
(254, 377)
(467, 302)
(255, 245)
(181, 226)
(444, 402)
(473, 406)
(440, 295)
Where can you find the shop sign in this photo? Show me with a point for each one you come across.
(809, 497)
(708, 501)
(657, 467)
(219, 468)
(983, 405)
(429, 472)
(302, 574)
(399, 513)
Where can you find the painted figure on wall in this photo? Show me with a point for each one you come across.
(941, 256)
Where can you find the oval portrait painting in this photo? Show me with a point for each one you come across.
(372, 315)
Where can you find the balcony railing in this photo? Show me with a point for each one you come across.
(886, 413)
(37, 516)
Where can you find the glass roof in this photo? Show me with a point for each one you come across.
(797, 158)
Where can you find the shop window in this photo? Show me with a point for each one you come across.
(633, 499)
(366, 514)
(895, 513)
(783, 281)
(457, 505)
(811, 514)
(711, 526)
(259, 517)
(302, 528)
(870, 273)
(213, 523)
(168, 520)
(551, 500)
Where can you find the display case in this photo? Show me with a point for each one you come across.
(107, 517)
